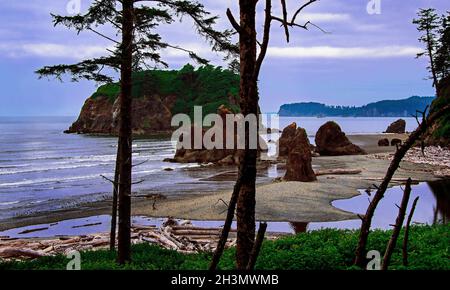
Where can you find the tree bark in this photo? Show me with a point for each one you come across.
(227, 226)
(398, 226)
(125, 135)
(360, 252)
(406, 236)
(112, 236)
(249, 105)
(257, 246)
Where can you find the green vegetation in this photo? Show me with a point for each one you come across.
(429, 248)
(387, 108)
(207, 86)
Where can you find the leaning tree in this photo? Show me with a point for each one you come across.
(243, 198)
(136, 44)
(435, 37)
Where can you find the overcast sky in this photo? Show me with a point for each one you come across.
(366, 57)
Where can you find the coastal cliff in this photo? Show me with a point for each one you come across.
(157, 96)
(439, 134)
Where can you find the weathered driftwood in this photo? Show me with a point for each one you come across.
(16, 252)
(338, 172)
(184, 238)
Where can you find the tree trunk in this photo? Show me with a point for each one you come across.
(398, 226)
(125, 135)
(112, 236)
(406, 236)
(227, 226)
(249, 105)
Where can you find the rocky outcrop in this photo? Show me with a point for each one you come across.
(396, 142)
(298, 164)
(331, 141)
(157, 95)
(398, 127)
(151, 115)
(383, 142)
(439, 133)
(286, 139)
(214, 155)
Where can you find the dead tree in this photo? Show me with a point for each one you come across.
(406, 236)
(112, 236)
(397, 227)
(250, 66)
(257, 246)
(426, 123)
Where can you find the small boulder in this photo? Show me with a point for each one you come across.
(395, 142)
(331, 141)
(398, 127)
(383, 142)
(298, 165)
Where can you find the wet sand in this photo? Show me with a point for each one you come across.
(285, 201)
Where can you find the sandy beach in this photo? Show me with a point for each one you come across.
(277, 201)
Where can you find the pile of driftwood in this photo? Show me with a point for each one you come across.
(182, 237)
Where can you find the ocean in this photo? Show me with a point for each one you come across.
(42, 169)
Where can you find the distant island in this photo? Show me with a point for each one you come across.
(387, 108)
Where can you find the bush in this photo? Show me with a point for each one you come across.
(326, 249)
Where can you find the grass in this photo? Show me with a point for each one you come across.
(327, 249)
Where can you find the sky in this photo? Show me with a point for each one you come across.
(367, 54)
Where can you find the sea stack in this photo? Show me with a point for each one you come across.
(331, 141)
(298, 164)
(398, 127)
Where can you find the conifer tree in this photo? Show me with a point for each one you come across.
(136, 45)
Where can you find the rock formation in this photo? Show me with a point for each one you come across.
(396, 141)
(383, 142)
(298, 164)
(157, 96)
(215, 155)
(285, 139)
(398, 127)
(439, 133)
(151, 115)
(331, 141)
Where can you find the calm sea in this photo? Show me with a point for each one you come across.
(42, 169)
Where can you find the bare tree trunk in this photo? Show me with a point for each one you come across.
(406, 236)
(360, 252)
(398, 226)
(112, 236)
(227, 226)
(249, 105)
(257, 246)
(125, 135)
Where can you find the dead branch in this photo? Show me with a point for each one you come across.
(228, 221)
(338, 172)
(406, 236)
(257, 246)
(395, 163)
(397, 227)
(233, 21)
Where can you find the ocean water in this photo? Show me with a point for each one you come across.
(42, 169)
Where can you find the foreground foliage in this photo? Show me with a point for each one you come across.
(317, 250)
